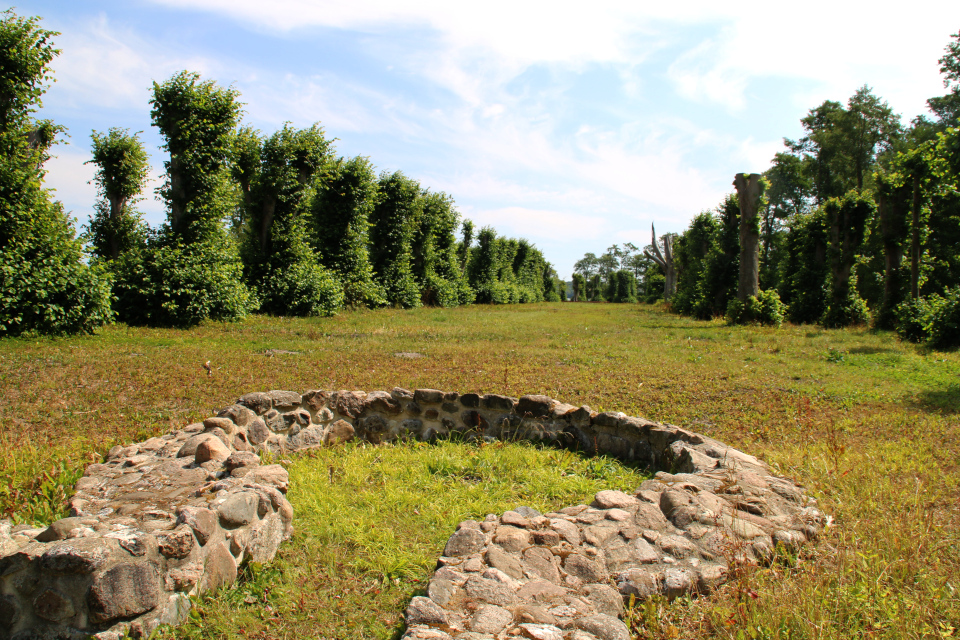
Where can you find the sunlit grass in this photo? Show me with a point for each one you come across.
(371, 522)
(868, 424)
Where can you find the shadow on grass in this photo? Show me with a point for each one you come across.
(872, 350)
(940, 400)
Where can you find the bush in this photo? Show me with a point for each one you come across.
(301, 288)
(944, 320)
(180, 286)
(765, 309)
(47, 289)
(852, 310)
(438, 292)
(934, 320)
(911, 319)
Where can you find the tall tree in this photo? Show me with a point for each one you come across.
(579, 286)
(122, 168)
(847, 219)
(869, 127)
(45, 284)
(197, 119)
(947, 107)
(436, 265)
(805, 269)
(690, 254)
(192, 270)
(394, 220)
(341, 214)
(842, 143)
(463, 248)
(894, 200)
(789, 193)
(665, 261)
(749, 193)
(279, 262)
(718, 284)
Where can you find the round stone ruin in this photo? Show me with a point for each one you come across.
(167, 518)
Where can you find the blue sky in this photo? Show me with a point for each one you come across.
(575, 125)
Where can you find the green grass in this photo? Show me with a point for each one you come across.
(870, 425)
(371, 522)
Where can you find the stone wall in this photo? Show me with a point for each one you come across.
(169, 517)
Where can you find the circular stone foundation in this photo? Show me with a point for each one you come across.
(169, 517)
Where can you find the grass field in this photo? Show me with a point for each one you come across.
(869, 425)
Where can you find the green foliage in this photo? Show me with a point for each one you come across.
(279, 263)
(464, 246)
(340, 216)
(947, 107)
(197, 119)
(721, 265)
(505, 270)
(934, 320)
(846, 311)
(122, 167)
(847, 218)
(178, 285)
(764, 309)
(45, 285)
(554, 289)
(625, 289)
(892, 226)
(690, 253)
(806, 271)
(579, 287)
(191, 270)
(295, 284)
(393, 222)
(435, 260)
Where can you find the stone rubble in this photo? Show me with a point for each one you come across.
(169, 517)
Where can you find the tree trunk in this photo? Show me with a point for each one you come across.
(665, 261)
(748, 192)
(266, 221)
(176, 196)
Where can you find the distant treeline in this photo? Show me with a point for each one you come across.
(857, 222)
(276, 223)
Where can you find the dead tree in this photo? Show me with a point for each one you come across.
(665, 260)
(749, 190)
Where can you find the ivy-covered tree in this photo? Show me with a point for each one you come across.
(847, 219)
(122, 169)
(528, 266)
(579, 286)
(894, 199)
(435, 262)
(806, 269)
(191, 271)
(554, 289)
(718, 284)
(244, 168)
(690, 254)
(340, 216)
(280, 264)
(393, 222)
(464, 246)
(46, 287)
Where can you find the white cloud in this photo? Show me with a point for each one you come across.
(541, 223)
(113, 67)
